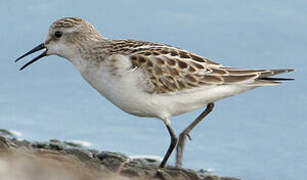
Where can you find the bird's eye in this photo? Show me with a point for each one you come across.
(58, 34)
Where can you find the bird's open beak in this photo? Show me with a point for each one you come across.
(37, 48)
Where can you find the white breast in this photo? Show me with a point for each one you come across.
(120, 86)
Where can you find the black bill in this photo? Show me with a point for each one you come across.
(37, 48)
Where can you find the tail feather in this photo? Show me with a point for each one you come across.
(265, 77)
(276, 79)
(258, 77)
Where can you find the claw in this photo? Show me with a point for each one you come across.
(189, 137)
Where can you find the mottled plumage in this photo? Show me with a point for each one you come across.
(149, 79)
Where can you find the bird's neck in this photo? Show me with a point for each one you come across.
(90, 52)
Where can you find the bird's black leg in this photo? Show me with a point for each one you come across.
(186, 132)
(171, 146)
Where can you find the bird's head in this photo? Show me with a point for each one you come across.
(65, 38)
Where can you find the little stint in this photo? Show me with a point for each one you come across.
(149, 79)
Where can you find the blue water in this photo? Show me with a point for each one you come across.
(260, 134)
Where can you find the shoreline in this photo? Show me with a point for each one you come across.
(22, 159)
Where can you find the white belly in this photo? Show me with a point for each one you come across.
(125, 92)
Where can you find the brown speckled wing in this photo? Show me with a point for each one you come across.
(170, 69)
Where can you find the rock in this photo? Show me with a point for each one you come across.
(4, 146)
(65, 160)
(7, 133)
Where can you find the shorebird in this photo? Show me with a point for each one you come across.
(149, 79)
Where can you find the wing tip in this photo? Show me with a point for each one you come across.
(289, 70)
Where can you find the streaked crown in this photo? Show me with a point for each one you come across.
(73, 23)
